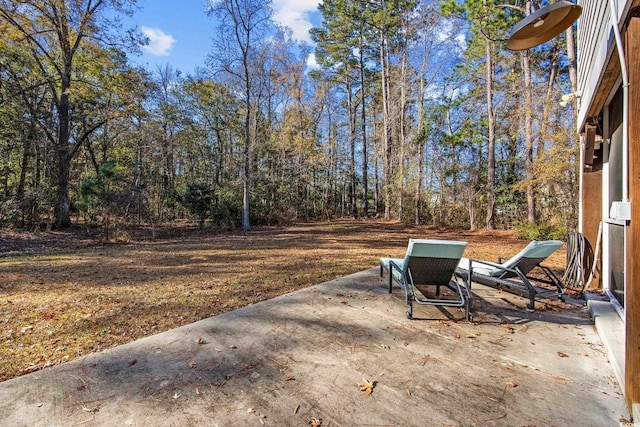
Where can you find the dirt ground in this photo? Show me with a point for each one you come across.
(68, 294)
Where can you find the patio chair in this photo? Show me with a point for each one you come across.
(512, 275)
(429, 264)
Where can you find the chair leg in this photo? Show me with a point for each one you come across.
(555, 280)
(530, 289)
(532, 295)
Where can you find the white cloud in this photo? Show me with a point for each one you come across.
(461, 41)
(296, 14)
(311, 62)
(447, 32)
(160, 43)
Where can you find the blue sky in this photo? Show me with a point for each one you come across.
(180, 32)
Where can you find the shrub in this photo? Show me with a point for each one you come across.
(198, 199)
(542, 231)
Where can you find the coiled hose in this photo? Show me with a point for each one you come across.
(580, 261)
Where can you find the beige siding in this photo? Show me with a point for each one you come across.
(597, 70)
(595, 40)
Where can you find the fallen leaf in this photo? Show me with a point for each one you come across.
(91, 410)
(561, 354)
(289, 378)
(367, 386)
(425, 359)
(315, 422)
(34, 368)
(508, 328)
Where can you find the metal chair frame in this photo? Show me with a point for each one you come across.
(523, 287)
(436, 272)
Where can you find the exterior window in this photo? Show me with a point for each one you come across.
(616, 262)
(615, 167)
(616, 232)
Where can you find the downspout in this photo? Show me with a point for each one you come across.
(625, 100)
(625, 205)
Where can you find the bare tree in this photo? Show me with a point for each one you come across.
(242, 24)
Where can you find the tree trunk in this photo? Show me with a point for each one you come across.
(352, 147)
(388, 164)
(246, 179)
(472, 208)
(491, 147)
(376, 177)
(401, 124)
(26, 155)
(63, 203)
(363, 118)
(571, 59)
(418, 196)
(544, 125)
(528, 135)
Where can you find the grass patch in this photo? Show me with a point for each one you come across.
(65, 295)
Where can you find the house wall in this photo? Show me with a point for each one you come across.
(594, 47)
(632, 305)
(592, 214)
(599, 73)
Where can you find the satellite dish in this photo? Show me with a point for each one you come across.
(543, 25)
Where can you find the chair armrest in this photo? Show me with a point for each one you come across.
(402, 281)
(393, 265)
(493, 264)
(515, 271)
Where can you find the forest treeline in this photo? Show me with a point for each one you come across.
(415, 111)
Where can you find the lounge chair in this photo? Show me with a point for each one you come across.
(428, 264)
(512, 275)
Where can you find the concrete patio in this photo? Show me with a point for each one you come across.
(298, 360)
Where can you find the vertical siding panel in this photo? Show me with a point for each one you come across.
(594, 30)
(632, 306)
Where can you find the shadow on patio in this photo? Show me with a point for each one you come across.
(299, 358)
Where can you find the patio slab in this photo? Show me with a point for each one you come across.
(299, 358)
